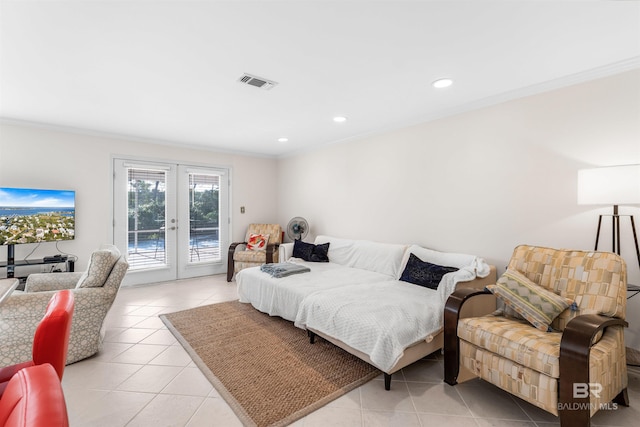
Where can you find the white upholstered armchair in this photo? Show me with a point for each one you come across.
(94, 292)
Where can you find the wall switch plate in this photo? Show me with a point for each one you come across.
(241, 209)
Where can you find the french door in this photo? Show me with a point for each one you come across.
(171, 220)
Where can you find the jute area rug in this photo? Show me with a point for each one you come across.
(263, 366)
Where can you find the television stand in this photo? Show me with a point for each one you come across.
(21, 269)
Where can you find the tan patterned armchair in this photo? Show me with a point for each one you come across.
(575, 367)
(94, 292)
(254, 251)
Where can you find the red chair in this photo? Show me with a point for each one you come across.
(51, 339)
(34, 398)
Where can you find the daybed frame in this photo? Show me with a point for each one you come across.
(423, 348)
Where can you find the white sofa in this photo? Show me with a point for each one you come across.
(357, 302)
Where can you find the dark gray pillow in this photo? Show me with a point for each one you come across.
(424, 273)
(311, 252)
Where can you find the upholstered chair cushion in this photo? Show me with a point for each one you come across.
(602, 291)
(100, 265)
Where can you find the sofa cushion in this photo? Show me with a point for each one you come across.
(383, 258)
(515, 340)
(536, 304)
(100, 266)
(424, 273)
(311, 252)
(257, 242)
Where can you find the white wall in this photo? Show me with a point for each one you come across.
(481, 182)
(43, 158)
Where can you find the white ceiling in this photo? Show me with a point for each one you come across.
(167, 71)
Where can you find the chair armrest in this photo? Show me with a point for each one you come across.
(40, 282)
(575, 348)
(272, 248)
(454, 310)
(285, 251)
(230, 262)
(233, 246)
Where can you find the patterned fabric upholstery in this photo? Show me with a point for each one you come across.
(516, 340)
(596, 281)
(523, 360)
(532, 302)
(244, 258)
(21, 313)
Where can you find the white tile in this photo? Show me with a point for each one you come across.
(112, 409)
(140, 354)
(109, 350)
(161, 336)
(431, 371)
(132, 335)
(437, 399)
(335, 417)
(488, 401)
(391, 419)
(151, 322)
(167, 410)
(98, 375)
(447, 420)
(148, 310)
(150, 379)
(174, 355)
(375, 397)
(214, 412)
(189, 382)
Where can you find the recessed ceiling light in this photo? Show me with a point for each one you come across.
(442, 83)
(339, 119)
(283, 139)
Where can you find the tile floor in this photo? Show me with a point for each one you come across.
(143, 377)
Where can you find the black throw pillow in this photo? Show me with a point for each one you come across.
(311, 252)
(320, 253)
(424, 273)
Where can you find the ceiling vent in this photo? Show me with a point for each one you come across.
(258, 82)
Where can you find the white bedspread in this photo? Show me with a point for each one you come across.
(282, 297)
(380, 320)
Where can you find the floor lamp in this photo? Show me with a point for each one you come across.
(615, 185)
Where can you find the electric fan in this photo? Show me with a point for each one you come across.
(298, 228)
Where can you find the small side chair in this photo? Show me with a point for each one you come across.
(247, 254)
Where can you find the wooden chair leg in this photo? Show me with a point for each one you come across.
(622, 398)
(575, 417)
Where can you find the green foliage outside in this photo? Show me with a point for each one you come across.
(147, 204)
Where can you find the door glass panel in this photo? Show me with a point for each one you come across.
(146, 218)
(204, 212)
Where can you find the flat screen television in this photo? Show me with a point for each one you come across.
(29, 215)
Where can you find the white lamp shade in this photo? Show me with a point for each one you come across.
(615, 185)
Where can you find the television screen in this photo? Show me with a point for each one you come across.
(30, 215)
